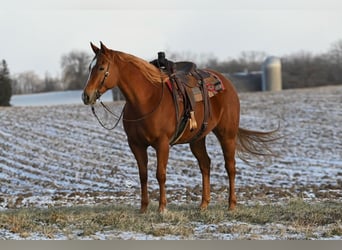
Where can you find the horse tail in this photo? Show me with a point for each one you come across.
(257, 143)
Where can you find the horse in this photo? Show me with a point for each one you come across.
(150, 119)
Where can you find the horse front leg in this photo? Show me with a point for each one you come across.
(162, 150)
(141, 157)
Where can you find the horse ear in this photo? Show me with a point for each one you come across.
(95, 49)
(103, 48)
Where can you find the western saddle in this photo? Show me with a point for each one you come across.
(182, 87)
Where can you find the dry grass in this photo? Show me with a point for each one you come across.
(298, 215)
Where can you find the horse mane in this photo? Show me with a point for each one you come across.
(149, 71)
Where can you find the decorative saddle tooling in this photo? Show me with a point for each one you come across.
(211, 81)
(189, 85)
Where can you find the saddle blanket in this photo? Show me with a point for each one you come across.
(212, 83)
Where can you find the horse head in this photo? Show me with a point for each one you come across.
(103, 74)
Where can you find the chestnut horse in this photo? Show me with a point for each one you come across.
(149, 119)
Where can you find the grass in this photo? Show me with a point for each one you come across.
(179, 220)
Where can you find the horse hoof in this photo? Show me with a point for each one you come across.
(162, 210)
(143, 210)
(203, 209)
(231, 208)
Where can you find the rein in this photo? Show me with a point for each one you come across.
(119, 117)
(148, 114)
(108, 110)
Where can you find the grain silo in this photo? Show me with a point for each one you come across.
(271, 76)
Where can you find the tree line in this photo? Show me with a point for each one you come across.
(300, 69)
(74, 66)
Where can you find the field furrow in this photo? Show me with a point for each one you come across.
(63, 149)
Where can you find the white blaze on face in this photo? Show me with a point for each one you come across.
(91, 66)
(93, 63)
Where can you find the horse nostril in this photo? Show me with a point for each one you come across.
(85, 98)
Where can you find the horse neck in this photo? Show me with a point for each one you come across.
(139, 92)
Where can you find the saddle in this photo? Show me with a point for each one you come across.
(189, 85)
(185, 67)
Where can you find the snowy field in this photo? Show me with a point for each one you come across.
(52, 98)
(58, 155)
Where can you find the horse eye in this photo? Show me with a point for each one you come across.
(101, 68)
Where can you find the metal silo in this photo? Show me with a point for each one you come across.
(271, 74)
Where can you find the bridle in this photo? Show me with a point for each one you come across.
(106, 74)
(119, 117)
(98, 95)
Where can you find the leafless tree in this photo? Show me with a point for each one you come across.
(335, 58)
(27, 82)
(75, 69)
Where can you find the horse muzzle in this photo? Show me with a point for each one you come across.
(90, 99)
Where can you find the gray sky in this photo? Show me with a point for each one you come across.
(35, 33)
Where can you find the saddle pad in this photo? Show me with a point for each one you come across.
(213, 85)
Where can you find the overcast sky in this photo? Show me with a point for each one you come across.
(35, 33)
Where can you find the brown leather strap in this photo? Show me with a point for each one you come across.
(206, 107)
(182, 88)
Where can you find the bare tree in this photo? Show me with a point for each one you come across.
(75, 69)
(51, 83)
(335, 58)
(304, 69)
(252, 59)
(335, 52)
(27, 82)
(247, 61)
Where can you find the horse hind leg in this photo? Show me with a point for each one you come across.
(199, 150)
(228, 147)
